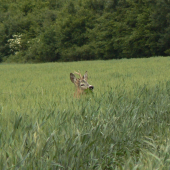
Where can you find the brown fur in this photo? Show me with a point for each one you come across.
(81, 83)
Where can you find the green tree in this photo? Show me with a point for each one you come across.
(74, 34)
(50, 30)
(161, 21)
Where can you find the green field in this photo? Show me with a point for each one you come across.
(124, 124)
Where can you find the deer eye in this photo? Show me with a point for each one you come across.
(82, 85)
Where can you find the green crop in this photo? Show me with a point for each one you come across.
(123, 124)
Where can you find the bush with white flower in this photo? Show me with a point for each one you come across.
(15, 43)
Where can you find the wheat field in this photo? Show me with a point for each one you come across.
(124, 124)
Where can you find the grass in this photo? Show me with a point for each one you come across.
(124, 125)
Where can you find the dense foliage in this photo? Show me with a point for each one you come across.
(71, 30)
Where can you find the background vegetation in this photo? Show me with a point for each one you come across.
(123, 125)
(71, 30)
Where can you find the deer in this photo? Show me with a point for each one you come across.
(81, 83)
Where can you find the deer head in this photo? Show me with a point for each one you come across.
(80, 83)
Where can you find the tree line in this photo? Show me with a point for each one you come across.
(72, 30)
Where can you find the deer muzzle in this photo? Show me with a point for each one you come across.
(91, 87)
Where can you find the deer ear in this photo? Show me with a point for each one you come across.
(85, 77)
(72, 78)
